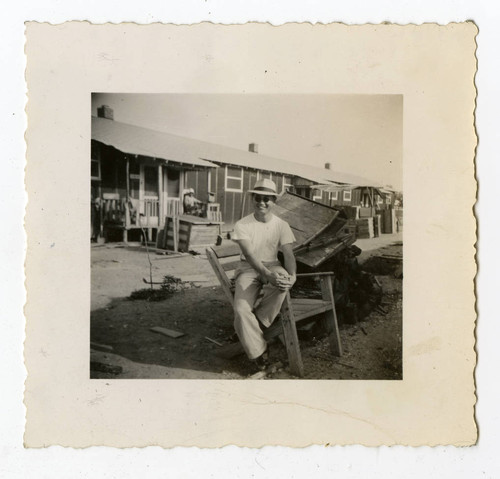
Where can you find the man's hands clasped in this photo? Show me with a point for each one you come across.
(281, 280)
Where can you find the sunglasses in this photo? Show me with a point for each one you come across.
(258, 199)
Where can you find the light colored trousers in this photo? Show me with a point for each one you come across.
(247, 315)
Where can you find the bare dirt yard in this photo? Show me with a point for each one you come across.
(123, 345)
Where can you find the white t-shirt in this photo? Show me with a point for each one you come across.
(266, 238)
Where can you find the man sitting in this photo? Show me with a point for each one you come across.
(260, 235)
(192, 205)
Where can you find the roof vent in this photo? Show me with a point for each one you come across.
(327, 166)
(105, 111)
(253, 147)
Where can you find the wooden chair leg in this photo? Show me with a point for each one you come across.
(291, 338)
(331, 317)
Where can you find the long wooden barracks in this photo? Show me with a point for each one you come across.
(139, 178)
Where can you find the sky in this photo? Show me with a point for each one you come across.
(357, 134)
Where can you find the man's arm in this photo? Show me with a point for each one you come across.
(290, 265)
(247, 249)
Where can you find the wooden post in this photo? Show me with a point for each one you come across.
(209, 181)
(331, 316)
(160, 198)
(176, 233)
(127, 197)
(291, 338)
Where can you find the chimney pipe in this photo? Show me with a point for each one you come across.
(105, 111)
(327, 166)
(253, 147)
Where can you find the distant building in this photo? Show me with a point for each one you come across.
(139, 177)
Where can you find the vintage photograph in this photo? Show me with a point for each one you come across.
(228, 267)
(246, 236)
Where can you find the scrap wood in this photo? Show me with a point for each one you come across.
(171, 255)
(213, 341)
(101, 346)
(271, 369)
(390, 257)
(345, 365)
(183, 281)
(167, 332)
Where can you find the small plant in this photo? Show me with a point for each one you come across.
(171, 284)
(168, 286)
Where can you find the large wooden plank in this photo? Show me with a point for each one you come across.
(300, 315)
(308, 219)
(302, 207)
(314, 257)
(301, 221)
(298, 302)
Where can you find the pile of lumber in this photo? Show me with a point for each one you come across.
(389, 221)
(377, 225)
(365, 228)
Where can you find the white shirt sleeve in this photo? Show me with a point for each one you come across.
(240, 232)
(286, 235)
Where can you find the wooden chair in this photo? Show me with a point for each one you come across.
(224, 261)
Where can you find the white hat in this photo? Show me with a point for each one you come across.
(264, 187)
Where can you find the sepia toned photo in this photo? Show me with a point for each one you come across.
(246, 236)
(250, 235)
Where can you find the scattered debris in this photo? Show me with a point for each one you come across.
(168, 286)
(167, 332)
(380, 309)
(213, 341)
(169, 255)
(258, 375)
(345, 365)
(384, 264)
(105, 368)
(101, 346)
(274, 368)
(356, 292)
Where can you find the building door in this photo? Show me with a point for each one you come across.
(149, 200)
(172, 186)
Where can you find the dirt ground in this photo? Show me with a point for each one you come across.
(123, 346)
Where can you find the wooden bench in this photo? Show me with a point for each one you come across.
(226, 258)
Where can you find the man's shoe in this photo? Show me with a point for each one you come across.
(262, 362)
